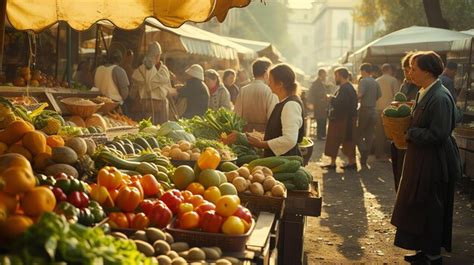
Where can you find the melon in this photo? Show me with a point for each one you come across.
(390, 112)
(404, 110)
(77, 120)
(400, 97)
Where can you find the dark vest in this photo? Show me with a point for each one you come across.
(274, 127)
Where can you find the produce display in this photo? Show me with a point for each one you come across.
(60, 177)
(54, 240)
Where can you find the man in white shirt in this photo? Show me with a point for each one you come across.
(256, 101)
(389, 86)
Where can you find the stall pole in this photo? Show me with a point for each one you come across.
(469, 69)
(58, 51)
(69, 55)
(97, 45)
(3, 14)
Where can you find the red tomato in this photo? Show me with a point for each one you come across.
(189, 220)
(185, 207)
(206, 206)
(118, 220)
(172, 199)
(140, 221)
(147, 205)
(211, 222)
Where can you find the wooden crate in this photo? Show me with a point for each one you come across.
(304, 203)
(257, 204)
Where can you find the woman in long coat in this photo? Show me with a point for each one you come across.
(424, 205)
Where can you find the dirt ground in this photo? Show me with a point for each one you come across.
(354, 226)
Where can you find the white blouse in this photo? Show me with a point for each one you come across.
(291, 121)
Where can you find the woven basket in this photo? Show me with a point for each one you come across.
(83, 111)
(107, 106)
(395, 129)
(230, 243)
(464, 132)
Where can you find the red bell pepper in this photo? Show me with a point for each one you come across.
(59, 194)
(172, 199)
(211, 222)
(147, 204)
(78, 199)
(160, 215)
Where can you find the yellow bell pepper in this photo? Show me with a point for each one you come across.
(209, 159)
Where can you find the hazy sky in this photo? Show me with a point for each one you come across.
(300, 3)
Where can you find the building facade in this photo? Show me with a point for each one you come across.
(325, 32)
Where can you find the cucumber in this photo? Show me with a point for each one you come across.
(92, 129)
(290, 166)
(245, 159)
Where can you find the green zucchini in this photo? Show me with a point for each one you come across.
(245, 159)
(129, 148)
(138, 148)
(152, 142)
(290, 166)
(143, 143)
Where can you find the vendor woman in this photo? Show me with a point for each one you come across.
(285, 127)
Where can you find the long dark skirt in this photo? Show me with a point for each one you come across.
(436, 231)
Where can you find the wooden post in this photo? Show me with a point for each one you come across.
(3, 15)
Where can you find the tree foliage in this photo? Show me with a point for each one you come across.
(398, 14)
(265, 22)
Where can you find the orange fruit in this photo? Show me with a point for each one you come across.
(196, 200)
(9, 202)
(14, 226)
(186, 195)
(189, 220)
(196, 188)
(18, 180)
(38, 200)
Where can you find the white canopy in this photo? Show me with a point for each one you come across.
(408, 39)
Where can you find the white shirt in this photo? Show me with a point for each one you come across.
(104, 81)
(424, 91)
(255, 104)
(291, 122)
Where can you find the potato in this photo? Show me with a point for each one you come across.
(244, 172)
(179, 261)
(267, 172)
(196, 150)
(184, 156)
(278, 191)
(240, 184)
(256, 188)
(173, 146)
(195, 156)
(258, 177)
(211, 253)
(268, 193)
(140, 235)
(166, 149)
(268, 183)
(172, 254)
(175, 153)
(180, 246)
(119, 235)
(257, 168)
(185, 146)
(222, 262)
(164, 153)
(231, 175)
(189, 152)
(169, 238)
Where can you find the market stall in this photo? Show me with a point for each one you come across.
(178, 190)
(391, 47)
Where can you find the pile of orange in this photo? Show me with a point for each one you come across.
(20, 201)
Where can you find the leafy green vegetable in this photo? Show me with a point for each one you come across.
(52, 239)
(213, 124)
(144, 124)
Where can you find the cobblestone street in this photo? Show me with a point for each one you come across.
(354, 226)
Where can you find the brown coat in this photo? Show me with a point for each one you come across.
(424, 204)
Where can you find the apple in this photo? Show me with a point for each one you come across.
(244, 214)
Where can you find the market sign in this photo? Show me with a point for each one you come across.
(37, 15)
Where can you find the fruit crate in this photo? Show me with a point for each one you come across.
(230, 243)
(257, 203)
(306, 203)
